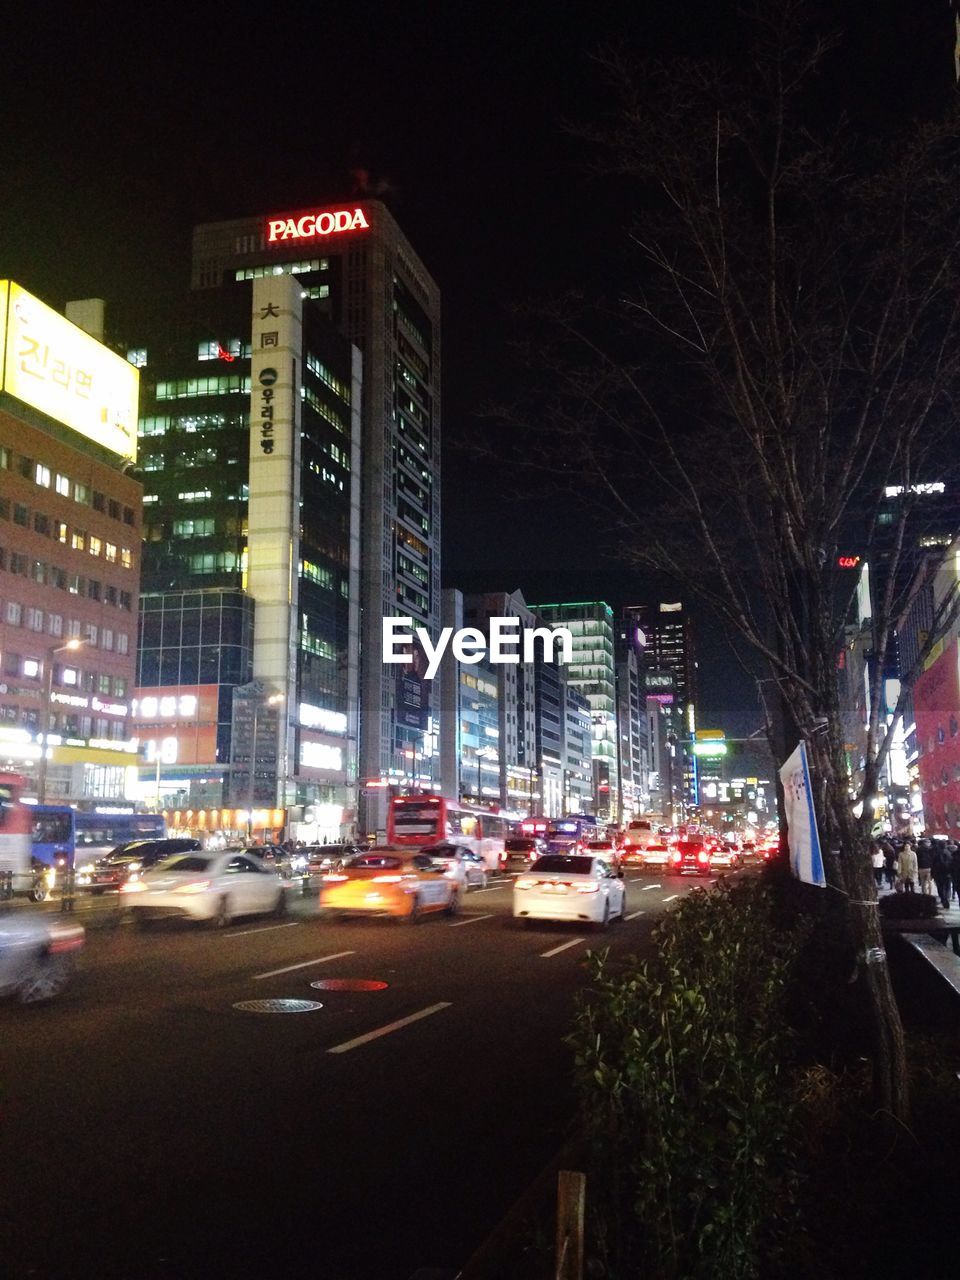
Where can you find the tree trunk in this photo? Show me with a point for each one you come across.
(854, 871)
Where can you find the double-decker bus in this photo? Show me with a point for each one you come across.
(16, 867)
(575, 829)
(419, 820)
(77, 838)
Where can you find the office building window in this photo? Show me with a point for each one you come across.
(35, 619)
(123, 642)
(42, 475)
(55, 624)
(14, 613)
(95, 545)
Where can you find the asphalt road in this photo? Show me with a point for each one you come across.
(148, 1128)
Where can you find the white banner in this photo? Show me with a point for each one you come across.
(806, 860)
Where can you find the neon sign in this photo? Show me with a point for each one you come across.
(848, 562)
(316, 224)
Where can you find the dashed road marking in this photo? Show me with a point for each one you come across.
(545, 955)
(391, 1026)
(671, 898)
(473, 920)
(304, 964)
(266, 929)
(633, 915)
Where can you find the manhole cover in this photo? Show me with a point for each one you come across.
(349, 984)
(278, 1006)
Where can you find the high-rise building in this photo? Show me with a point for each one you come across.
(357, 265)
(517, 704)
(247, 690)
(633, 740)
(69, 552)
(592, 672)
(579, 794)
(668, 632)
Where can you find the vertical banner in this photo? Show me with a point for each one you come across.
(806, 860)
(273, 539)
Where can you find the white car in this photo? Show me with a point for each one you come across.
(211, 886)
(38, 954)
(461, 863)
(571, 887)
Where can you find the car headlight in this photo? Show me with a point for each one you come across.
(134, 866)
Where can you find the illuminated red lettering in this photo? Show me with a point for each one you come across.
(316, 224)
(848, 562)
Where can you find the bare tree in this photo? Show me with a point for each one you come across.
(786, 349)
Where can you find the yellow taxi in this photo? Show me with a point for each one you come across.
(392, 881)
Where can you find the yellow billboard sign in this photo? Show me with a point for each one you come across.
(51, 364)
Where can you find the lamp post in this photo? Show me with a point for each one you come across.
(70, 646)
(274, 700)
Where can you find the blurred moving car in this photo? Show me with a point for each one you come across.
(654, 855)
(691, 857)
(318, 858)
(130, 860)
(520, 852)
(214, 886)
(459, 858)
(38, 955)
(570, 886)
(392, 881)
(726, 854)
(606, 849)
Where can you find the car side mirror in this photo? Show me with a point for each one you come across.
(619, 874)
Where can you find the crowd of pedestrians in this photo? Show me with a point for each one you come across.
(927, 865)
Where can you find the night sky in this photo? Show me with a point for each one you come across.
(123, 129)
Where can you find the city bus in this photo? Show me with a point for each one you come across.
(425, 819)
(79, 837)
(573, 829)
(16, 867)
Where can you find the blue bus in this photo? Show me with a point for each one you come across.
(575, 829)
(64, 836)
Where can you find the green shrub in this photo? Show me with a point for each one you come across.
(680, 1070)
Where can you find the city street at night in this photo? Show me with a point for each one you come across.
(161, 1127)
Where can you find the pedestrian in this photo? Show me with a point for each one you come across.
(925, 864)
(955, 870)
(876, 854)
(889, 862)
(907, 868)
(940, 867)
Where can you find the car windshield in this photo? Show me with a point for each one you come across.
(568, 863)
(690, 846)
(187, 862)
(376, 861)
(600, 844)
(519, 846)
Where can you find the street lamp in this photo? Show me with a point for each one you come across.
(70, 646)
(274, 700)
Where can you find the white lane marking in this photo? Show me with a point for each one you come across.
(337, 955)
(473, 920)
(545, 955)
(491, 888)
(392, 1026)
(266, 929)
(633, 915)
(651, 886)
(634, 879)
(671, 898)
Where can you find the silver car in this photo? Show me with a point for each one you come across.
(38, 954)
